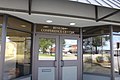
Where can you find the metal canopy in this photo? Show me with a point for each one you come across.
(67, 9)
(105, 3)
(102, 3)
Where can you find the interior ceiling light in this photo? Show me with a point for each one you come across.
(45, 26)
(72, 23)
(49, 21)
(23, 25)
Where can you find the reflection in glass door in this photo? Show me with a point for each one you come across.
(47, 49)
(46, 62)
(69, 51)
(57, 57)
(47, 52)
(116, 46)
(69, 57)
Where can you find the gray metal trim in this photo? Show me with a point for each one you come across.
(36, 56)
(3, 44)
(79, 59)
(95, 34)
(81, 55)
(70, 63)
(59, 58)
(111, 52)
(97, 74)
(33, 54)
(55, 14)
(46, 63)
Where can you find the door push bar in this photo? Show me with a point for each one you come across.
(54, 63)
(62, 63)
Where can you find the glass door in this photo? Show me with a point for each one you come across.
(116, 45)
(69, 57)
(46, 57)
(56, 57)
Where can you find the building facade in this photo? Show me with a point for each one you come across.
(58, 40)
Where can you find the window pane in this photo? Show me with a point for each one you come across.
(17, 54)
(47, 49)
(96, 50)
(116, 49)
(1, 20)
(19, 24)
(69, 51)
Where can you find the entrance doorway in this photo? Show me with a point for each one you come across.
(56, 57)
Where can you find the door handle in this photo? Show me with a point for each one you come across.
(54, 63)
(62, 63)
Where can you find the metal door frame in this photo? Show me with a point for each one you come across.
(74, 62)
(37, 62)
(59, 38)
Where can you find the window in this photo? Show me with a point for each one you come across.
(116, 50)
(17, 50)
(96, 50)
(19, 24)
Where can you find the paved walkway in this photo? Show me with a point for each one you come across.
(117, 78)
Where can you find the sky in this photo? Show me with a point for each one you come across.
(69, 42)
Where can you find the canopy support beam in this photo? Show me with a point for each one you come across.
(102, 18)
(55, 14)
(29, 6)
(96, 13)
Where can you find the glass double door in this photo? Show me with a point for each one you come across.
(56, 57)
